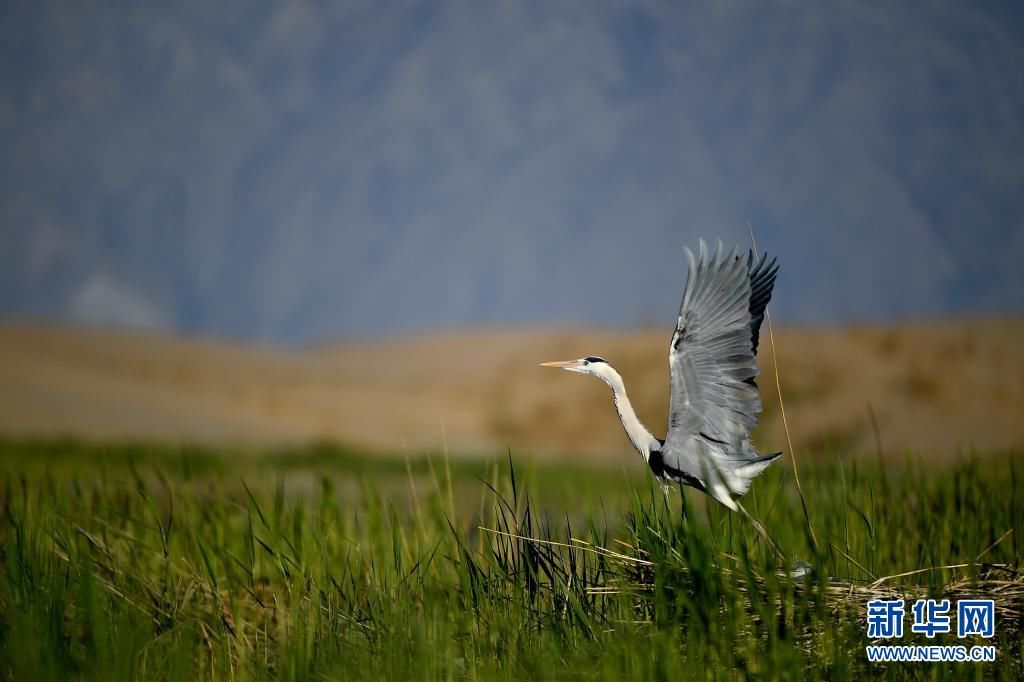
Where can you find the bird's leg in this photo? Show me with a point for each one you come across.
(760, 530)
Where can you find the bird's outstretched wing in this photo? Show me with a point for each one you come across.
(711, 357)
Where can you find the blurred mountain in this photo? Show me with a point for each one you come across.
(297, 169)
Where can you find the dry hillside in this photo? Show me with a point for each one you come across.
(934, 388)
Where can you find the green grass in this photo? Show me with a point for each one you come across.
(134, 562)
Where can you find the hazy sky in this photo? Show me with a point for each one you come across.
(294, 170)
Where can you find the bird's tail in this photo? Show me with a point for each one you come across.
(743, 475)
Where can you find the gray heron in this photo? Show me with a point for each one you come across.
(714, 399)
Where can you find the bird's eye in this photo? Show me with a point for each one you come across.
(586, 362)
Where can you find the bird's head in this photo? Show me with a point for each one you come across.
(588, 365)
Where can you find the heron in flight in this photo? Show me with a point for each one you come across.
(714, 399)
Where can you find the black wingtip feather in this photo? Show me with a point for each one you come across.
(762, 281)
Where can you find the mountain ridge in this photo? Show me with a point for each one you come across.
(289, 172)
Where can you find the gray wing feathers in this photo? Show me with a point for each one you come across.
(711, 357)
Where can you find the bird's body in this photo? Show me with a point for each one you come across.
(715, 400)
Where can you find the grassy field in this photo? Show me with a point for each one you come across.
(134, 562)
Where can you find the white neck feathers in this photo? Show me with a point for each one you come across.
(641, 438)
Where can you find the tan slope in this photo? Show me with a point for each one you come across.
(934, 388)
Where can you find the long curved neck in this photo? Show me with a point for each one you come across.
(641, 438)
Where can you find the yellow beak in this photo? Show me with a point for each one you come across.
(561, 364)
